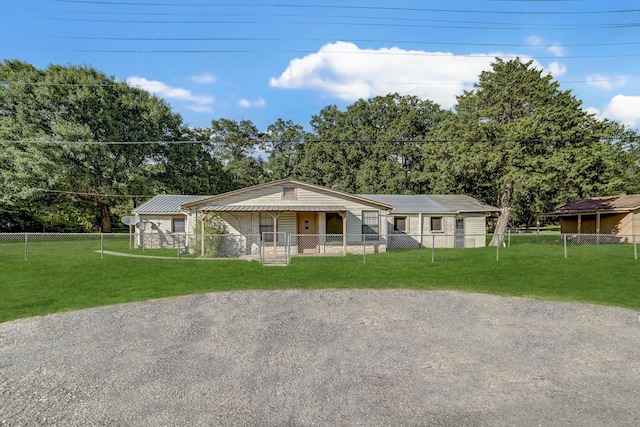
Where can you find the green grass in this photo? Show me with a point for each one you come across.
(69, 275)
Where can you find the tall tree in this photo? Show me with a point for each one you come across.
(521, 142)
(237, 145)
(87, 126)
(191, 167)
(372, 146)
(283, 142)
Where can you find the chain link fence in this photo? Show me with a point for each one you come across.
(278, 248)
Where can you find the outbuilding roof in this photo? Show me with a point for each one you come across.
(438, 203)
(620, 203)
(166, 204)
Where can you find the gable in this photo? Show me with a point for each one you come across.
(289, 193)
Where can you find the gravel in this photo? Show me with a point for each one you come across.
(324, 358)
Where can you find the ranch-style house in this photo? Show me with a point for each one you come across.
(314, 219)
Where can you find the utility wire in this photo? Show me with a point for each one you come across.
(360, 52)
(379, 8)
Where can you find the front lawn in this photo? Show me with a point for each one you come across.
(70, 275)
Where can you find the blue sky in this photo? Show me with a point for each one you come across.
(264, 60)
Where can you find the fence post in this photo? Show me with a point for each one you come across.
(26, 246)
(635, 247)
(364, 250)
(498, 249)
(179, 246)
(509, 239)
(565, 244)
(101, 245)
(433, 248)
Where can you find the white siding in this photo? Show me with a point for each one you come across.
(475, 230)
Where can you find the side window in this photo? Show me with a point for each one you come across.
(371, 223)
(437, 224)
(400, 224)
(178, 225)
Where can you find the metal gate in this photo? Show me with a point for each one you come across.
(275, 248)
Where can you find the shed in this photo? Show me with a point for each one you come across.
(618, 215)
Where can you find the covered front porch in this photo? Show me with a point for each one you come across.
(307, 229)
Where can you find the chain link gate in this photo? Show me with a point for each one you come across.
(275, 248)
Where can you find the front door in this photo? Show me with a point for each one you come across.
(307, 232)
(459, 233)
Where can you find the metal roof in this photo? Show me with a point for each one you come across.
(172, 204)
(439, 203)
(264, 208)
(621, 203)
(166, 203)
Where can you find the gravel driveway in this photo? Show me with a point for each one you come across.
(326, 358)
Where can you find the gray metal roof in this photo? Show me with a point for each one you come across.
(439, 203)
(171, 203)
(166, 203)
(265, 208)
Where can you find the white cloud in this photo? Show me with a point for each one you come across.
(603, 82)
(557, 69)
(204, 78)
(534, 40)
(199, 103)
(258, 103)
(625, 109)
(557, 49)
(345, 71)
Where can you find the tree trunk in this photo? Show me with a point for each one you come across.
(505, 214)
(105, 220)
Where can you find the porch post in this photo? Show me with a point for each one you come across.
(579, 223)
(420, 223)
(275, 231)
(344, 233)
(202, 235)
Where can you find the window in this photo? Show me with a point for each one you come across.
(437, 223)
(266, 226)
(289, 193)
(178, 225)
(371, 223)
(399, 224)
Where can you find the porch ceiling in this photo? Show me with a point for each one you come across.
(263, 208)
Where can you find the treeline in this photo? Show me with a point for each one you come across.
(80, 149)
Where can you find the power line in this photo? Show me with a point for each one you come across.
(79, 193)
(345, 23)
(289, 15)
(270, 39)
(379, 8)
(360, 52)
(151, 84)
(313, 139)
